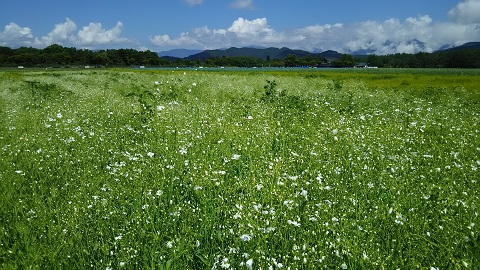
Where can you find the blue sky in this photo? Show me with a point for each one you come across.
(379, 26)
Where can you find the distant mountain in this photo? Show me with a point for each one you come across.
(331, 55)
(263, 53)
(466, 46)
(177, 53)
(170, 58)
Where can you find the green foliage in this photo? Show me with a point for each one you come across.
(44, 92)
(272, 93)
(147, 102)
(195, 170)
(345, 60)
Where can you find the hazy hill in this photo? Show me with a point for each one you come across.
(177, 53)
(263, 53)
(331, 55)
(466, 46)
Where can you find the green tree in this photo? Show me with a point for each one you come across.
(291, 60)
(346, 60)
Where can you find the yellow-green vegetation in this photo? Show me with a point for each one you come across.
(186, 169)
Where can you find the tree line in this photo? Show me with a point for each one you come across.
(58, 56)
(444, 59)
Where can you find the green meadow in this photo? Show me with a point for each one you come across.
(251, 169)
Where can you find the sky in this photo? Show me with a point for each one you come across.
(347, 26)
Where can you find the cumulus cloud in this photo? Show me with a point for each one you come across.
(93, 35)
(61, 33)
(242, 4)
(164, 40)
(246, 28)
(411, 35)
(466, 12)
(15, 35)
(391, 36)
(242, 32)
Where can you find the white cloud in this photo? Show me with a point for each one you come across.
(411, 35)
(95, 34)
(164, 40)
(242, 32)
(391, 36)
(61, 33)
(242, 4)
(466, 12)
(193, 2)
(92, 36)
(14, 35)
(242, 27)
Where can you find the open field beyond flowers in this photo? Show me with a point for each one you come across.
(185, 169)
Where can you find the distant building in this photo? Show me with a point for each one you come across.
(20, 67)
(361, 65)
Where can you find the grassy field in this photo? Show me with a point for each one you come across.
(184, 169)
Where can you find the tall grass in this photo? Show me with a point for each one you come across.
(193, 170)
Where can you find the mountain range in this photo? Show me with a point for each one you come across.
(466, 46)
(262, 53)
(178, 53)
(279, 53)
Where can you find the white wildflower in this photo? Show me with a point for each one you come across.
(294, 223)
(304, 193)
(169, 244)
(246, 237)
(236, 156)
(288, 203)
(249, 264)
(225, 263)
